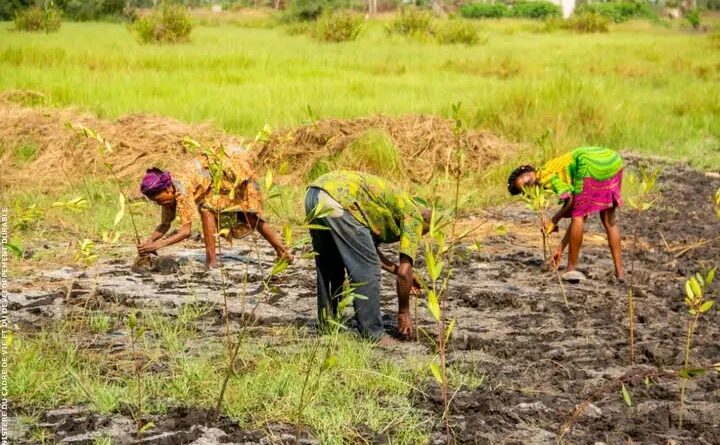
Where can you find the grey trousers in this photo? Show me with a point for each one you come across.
(347, 246)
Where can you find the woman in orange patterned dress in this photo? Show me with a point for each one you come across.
(221, 188)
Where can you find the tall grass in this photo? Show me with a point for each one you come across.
(647, 88)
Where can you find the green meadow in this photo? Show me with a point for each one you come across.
(644, 86)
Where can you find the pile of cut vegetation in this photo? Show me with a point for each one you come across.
(34, 139)
(38, 143)
(417, 147)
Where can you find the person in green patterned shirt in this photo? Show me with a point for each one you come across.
(361, 211)
(587, 180)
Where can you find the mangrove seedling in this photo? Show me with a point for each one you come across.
(537, 199)
(106, 148)
(697, 303)
(85, 253)
(641, 194)
(134, 333)
(435, 289)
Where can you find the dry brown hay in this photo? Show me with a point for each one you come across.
(139, 141)
(426, 144)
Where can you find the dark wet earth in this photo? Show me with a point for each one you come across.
(540, 358)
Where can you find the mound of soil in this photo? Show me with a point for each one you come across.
(139, 141)
(426, 144)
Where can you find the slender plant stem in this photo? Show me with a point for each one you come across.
(683, 382)
(217, 246)
(416, 298)
(543, 221)
(301, 405)
(130, 212)
(631, 291)
(138, 380)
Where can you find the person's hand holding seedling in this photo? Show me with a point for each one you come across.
(550, 227)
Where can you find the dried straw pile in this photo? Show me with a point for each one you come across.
(139, 141)
(426, 144)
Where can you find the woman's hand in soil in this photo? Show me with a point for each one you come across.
(147, 248)
(405, 325)
(555, 259)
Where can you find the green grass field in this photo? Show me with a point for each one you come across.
(642, 86)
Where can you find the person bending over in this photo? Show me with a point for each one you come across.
(587, 180)
(228, 190)
(359, 211)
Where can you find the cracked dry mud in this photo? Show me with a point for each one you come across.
(540, 359)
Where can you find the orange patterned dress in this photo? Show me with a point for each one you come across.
(224, 183)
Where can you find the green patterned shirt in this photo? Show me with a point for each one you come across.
(564, 175)
(389, 213)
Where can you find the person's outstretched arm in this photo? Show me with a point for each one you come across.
(266, 231)
(180, 235)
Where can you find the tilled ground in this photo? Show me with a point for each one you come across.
(541, 359)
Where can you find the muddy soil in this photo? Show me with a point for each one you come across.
(540, 358)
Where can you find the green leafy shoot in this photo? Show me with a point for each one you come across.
(626, 395)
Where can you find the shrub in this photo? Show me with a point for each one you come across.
(535, 10)
(170, 25)
(411, 22)
(338, 27)
(10, 8)
(484, 10)
(84, 10)
(618, 11)
(693, 17)
(454, 31)
(587, 22)
(38, 19)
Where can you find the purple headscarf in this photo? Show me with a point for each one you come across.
(155, 181)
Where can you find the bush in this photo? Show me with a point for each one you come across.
(454, 31)
(338, 27)
(619, 11)
(535, 10)
(170, 25)
(38, 19)
(587, 22)
(693, 17)
(10, 8)
(484, 10)
(411, 22)
(84, 10)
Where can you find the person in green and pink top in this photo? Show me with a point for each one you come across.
(587, 180)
